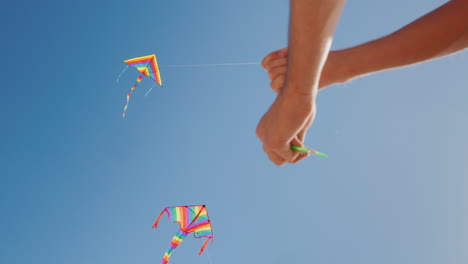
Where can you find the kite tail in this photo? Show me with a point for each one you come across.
(155, 225)
(204, 246)
(138, 80)
(176, 240)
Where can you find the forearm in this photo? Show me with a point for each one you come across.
(312, 26)
(439, 33)
(458, 45)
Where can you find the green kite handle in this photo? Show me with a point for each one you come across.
(308, 150)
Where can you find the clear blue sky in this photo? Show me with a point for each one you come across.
(82, 185)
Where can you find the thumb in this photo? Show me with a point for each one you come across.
(297, 142)
(300, 155)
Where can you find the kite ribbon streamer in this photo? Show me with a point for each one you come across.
(138, 80)
(204, 246)
(155, 225)
(176, 240)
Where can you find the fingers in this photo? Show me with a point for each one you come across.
(275, 158)
(280, 62)
(282, 53)
(296, 156)
(276, 65)
(302, 154)
(283, 156)
(278, 77)
(278, 83)
(297, 141)
(277, 71)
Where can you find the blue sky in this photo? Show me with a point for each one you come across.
(82, 185)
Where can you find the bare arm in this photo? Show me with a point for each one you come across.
(441, 32)
(312, 25)
(438, 33)
(459, 45)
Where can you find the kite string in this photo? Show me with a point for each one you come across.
(215, 64)
(150, 89)
(208, 255)
(118, 78)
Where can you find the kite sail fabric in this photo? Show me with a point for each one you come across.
(192, 218)
(147, 66)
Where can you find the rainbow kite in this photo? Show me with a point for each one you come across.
(146, 65)
(192, 218)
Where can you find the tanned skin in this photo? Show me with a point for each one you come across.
(441, 32)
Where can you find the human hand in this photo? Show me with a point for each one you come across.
(276, 64)
(285, 124)
(290, 123)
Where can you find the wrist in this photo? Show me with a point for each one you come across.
(293, 90)
(301, 101)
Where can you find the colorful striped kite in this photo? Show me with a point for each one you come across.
(146, 65)
(192, 218)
